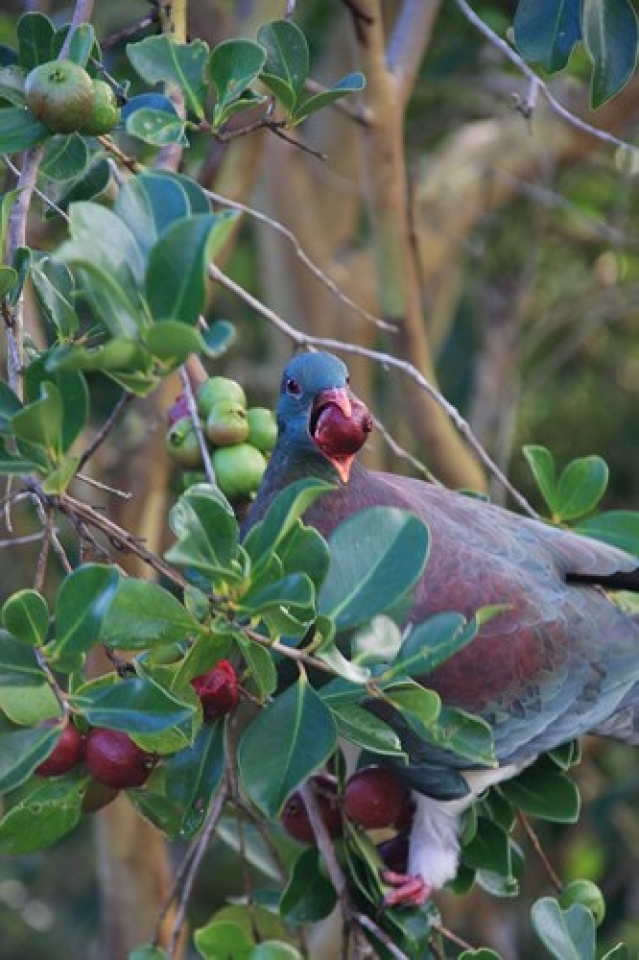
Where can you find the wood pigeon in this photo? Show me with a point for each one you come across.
(561, 660)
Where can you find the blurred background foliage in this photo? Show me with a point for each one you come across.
(525, 235)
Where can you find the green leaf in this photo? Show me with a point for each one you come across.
(580, 488)
(162, 60)
(156, 127)
(218, 338)
(352, 83)
(287, 507)
(377, 555)
(234, 65)
(27, 706)
(9, 404)
(66, 157)
(21, 751)
(620, 528)
(464, 734)
(206, 528)
(26, 615)
(118, 354)
(20, 130)
(289, 740)
(137, 705)
(178, 265)
(309, 896)
(35, 40)
(294, 593)
(171, 342)
(489, 849)
(547, 30)
(19, 666)
(541, 462)
(81, 44)
(543, 791)
(193, 776)
(287, 60)
(8, 279)
(40, 422)
(261, 666)
(94, 185)
(221, 940)
(147, 952)
(142, 614)
(610, 38)
(74, 395)
(55, 291)
(150, 203)
(414, 702)
(431, 643)
(275, 950)
(16, 465)
(566, 934)
(47, 812)
(81, 605)
(363, 728)
(482, 954)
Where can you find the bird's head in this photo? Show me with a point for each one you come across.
(317, 411)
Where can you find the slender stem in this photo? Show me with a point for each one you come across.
(105, 429)
(534, 840)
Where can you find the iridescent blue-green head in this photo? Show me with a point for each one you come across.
(316, 410)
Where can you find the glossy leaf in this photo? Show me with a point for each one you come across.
(172, 341)
(149, 204)
(35, 40)
(9, 404)
(287, 60)
(161, 60)
(54, 289)
(19, 666)
(21, 751)
(66, 157)
(94, 185)
(547, 30)
(309, 896)
(377, 555)
(26, 616)
(142, 614)
(220, 940)
(580, 487)
(351, 83)
(218, 338)
(137, 705)
(431, 643)
(81, 605)
(234, 65)
(206, 528)
(610, 37)
(566, 934)
(27, 706)
(40, 423)
(193, 776)
(178, 265)
(275, 950)
(260, 664)
(288, 741)
(544, 792)
(464, 734)
(541, 462)
(156, 127)
(489, 849)
(117, 354)
(620, 528)
(74, 396)
(414, 702)
(47, 812)
(363, 728)
(294, 592)
(287, 507)
(82, 43)
(11, 464)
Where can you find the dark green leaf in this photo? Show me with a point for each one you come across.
(260, 663)
(8, 279)
(35, 39)
(218, 338)
(206, 528)
(287, 59)
(377, 555)
(309, 896)
(142, 614)
(81, 43)
(160, 60)
(542, 464)
(464, 734)
(234, 65)
(294, 592)
(45, 814)
(16, 465)
(74, 395)
(352, 83)
(95, 183)
(360, 726)
(178, 265)
(547, 30)
(431, 643)
(40, 422)
(287, 507)
(580, 488)
(289, 740)
(20, 130)
(483, 953)
(137, 705)
(610, 38)
(544, 792)
(303, 548)
(489, 849)
(193, 776)
(156, 127)
(149, 204)
(81, 605)
(18, 664)
(21, 751)
(66, 157)
(26, 616)
(617, 527)
(566, 934)
(9, 404)
(54, 289)
(118, 354)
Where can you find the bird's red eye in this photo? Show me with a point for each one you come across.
(293, 388)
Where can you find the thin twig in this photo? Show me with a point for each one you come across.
(82, 13)
(537, 83)
(43, 556)
(21, 541)
(187, 387)
(449, 935)
(106, 428)
(38, 193)
(369, 925)
(534, 840)
(387, 359)
(106, 487)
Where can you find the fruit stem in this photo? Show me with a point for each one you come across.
(187, 387)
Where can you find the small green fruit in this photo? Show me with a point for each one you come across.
(218, 389)
(182, 444)
(262, 428)
(588, 895)
(60, 94)
(238, 470)
(106, 112)
(226, 424)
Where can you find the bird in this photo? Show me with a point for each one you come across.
(559, 660)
